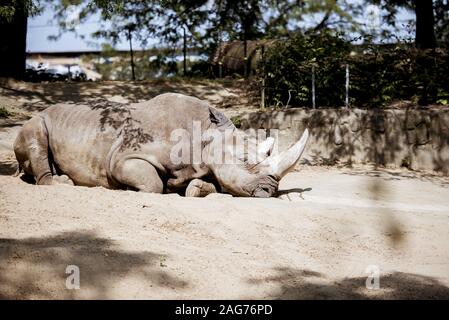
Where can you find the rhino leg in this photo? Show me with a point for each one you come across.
(199, 188)
(63, 179)
(32, 153)
(138, 174)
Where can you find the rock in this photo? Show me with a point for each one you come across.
(338, 138)
(379, 123)
(218, 196)
(421, 134)
(410, 122)
(355, 125)
(8, 167)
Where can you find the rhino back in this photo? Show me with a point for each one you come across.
(171, 111)
(165, 114)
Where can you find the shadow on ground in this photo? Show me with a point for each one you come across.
(287, 191)
(39, 96)
(305, 284)
(35, 267)
(389, 175)
(8, 167)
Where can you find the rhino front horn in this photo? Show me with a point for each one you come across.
(266, 146)
(282, 163)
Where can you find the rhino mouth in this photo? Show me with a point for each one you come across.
(264, 187)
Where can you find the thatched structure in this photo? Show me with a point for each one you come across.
(230, 56)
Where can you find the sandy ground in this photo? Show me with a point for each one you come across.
(327, 232)
(136, 245)
(233, 96)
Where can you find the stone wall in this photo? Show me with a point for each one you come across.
(415, 138)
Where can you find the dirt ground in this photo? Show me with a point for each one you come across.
(321, 238)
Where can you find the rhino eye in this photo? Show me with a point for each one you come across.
(265, 186)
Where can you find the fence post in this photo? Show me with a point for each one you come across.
(131, 51)
(245, 58)
(347, 86)
(313, 87)
(262, 94)
(184, 51)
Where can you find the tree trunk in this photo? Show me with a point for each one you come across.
(184, 52)
(13, 44)
(133, 75)
(425, 33)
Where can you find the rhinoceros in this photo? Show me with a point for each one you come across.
(131, 146)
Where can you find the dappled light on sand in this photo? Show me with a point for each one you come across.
(316, 241)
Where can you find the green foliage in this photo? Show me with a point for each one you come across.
(379, 74)
(391, 10)
(5, 113)
(9, 8)
(117, 65)
(288, 68)
(398, 72)
(200, 69)
(441, 8)
(237, 121)
(206, 23)
(142, 20)
(406, 162)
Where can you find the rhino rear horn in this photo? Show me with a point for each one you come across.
(282, 163)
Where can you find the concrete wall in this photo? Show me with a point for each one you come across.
(416, 138)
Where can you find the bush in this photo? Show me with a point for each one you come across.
(288, 67)
(200, 69)
(379, 74)
(237, 121)
(4, 113)
(400, 72)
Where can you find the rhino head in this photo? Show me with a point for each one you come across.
(260, 178)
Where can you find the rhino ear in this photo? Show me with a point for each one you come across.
(265, 147)
(219, 119)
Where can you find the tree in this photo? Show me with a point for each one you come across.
(424, 12)
(186, 16)
(287, 18)
(241, 20)
(441, 8)
(425, 24)
(172, 21)
(13, 27)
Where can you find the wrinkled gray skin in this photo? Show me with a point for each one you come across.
(128, 147)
